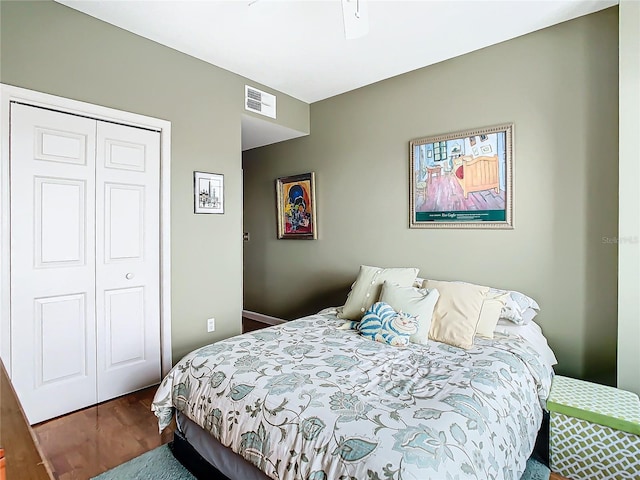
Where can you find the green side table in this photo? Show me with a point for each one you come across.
(594, 431)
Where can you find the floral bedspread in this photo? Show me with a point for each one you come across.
(305, 400)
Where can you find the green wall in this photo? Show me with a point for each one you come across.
(53, 49)
(559, 86)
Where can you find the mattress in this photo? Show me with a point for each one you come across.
(307, 399)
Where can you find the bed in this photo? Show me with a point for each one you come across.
(307, 399)
(477, 174)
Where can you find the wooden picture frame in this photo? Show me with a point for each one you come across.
(296, 207)
(463, 184)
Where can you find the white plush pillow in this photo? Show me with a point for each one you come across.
(516, 305)
(417, 302)
(457, 312)
(492, 306)
(528, 315)
(365, 291)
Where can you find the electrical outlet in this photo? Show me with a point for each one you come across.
(211, 324)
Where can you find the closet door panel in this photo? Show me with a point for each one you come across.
(52, 268)
(124, 327)
(60, 222)
(124, 223)
(127, 259)
(61, 338)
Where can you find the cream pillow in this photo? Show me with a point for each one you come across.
(457, 312)
(490, 313)
(515, 305)
(416, 302)
(366, 289)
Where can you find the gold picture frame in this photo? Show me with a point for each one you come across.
(296, 207)
(462, 179)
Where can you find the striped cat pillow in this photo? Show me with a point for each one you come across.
(383, 324)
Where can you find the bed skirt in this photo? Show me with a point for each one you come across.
(206, 458)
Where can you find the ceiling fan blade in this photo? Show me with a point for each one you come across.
(356, 18)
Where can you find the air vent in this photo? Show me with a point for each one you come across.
(259, 102)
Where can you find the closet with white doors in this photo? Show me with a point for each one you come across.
(84, 259)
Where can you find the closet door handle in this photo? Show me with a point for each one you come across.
(129, 276)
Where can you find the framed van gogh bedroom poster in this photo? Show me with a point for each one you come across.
(296, 206)
(462, 179)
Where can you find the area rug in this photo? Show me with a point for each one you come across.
(535, 471)
(160, 464)
(157, 464)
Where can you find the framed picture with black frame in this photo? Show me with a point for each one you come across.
(208, 192)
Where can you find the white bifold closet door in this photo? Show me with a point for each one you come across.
(85, 321)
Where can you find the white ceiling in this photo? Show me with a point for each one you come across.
(299, 48)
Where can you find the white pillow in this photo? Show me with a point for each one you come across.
(492, 306)
(528, 315)
(417, 302)
(365, 291)
(516, 305)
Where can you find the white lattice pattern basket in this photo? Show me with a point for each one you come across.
(594, 431)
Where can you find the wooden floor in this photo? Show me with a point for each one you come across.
(23, 459)
(88, 442)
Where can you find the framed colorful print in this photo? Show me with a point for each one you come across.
(208, 192)
(296, 204)
(462, 179)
